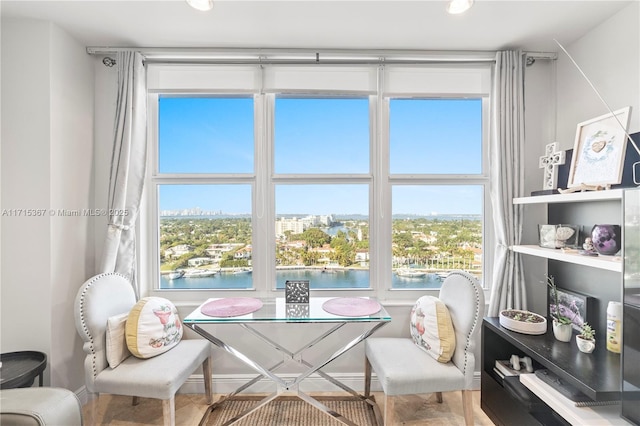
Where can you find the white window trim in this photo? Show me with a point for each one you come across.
(263, 182)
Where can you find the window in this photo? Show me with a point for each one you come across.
(436, 228)
(264, 174)
(205, 226)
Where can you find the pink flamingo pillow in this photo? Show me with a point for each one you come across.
(153, 327)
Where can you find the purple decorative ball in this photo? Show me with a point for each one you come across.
(606, 239)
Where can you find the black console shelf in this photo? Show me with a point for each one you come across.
(597, 375)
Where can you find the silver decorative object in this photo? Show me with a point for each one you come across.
(296, 291)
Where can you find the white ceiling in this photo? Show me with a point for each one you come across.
(322, 24)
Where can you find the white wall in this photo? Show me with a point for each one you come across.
(610, 56)
(47, 147)
(539, 131)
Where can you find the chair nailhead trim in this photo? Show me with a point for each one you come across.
(84, 325)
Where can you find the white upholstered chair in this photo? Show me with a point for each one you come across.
(403, 368)
(160, 377)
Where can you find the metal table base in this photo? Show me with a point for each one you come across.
(291, 386)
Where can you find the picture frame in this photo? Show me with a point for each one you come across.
(296, 291)
(574, 306)
(599, 150)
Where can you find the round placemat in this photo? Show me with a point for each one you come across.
(351, 306)
(231, 306)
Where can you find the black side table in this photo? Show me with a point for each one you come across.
(19, 369)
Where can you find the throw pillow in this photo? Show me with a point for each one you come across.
(432, 329)
(117, 350)
(153, 327)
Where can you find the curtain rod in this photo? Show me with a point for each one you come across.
(305, 56)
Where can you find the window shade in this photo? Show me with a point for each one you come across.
(437, 79)
(320, 78)
(220, 78)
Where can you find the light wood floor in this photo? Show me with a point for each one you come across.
(410, 410)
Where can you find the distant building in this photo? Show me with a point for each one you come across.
(198, 261)
(243, 253)
(295, 225)
(177, 251)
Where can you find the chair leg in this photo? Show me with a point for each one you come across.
(94, 409)
(467, 407)
(367, 377)
(135, 400)
(439, 397)
(169, 411)
(206, 373)
(388, 410)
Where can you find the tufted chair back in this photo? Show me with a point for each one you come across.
(98, 299)
(464, 298)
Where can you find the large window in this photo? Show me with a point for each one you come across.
(205, 226)
(436, 227)
(265, 174)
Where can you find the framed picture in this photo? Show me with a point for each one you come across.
(296, 291)
(599, 150)
(574, 306)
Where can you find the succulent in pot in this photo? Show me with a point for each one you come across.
(586, 339)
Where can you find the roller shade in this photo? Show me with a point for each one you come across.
(473, 80)
(219, 78)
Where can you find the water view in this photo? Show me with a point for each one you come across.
(318, 278)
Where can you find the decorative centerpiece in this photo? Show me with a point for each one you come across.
(586, 339)
(562, 325)
(606, 239)
(525, 322)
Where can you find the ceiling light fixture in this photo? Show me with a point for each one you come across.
(459, 6)
(202, 5)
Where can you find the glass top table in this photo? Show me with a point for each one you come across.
(275, 310)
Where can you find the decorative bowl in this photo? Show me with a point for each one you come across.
(524, 322)
(606, 239)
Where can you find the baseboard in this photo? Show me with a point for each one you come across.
(83, 395)
(226, 383)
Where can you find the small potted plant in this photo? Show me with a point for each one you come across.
(562, 325)
(586, 339)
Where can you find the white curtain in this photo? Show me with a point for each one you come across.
(507, 181)
(128, 166)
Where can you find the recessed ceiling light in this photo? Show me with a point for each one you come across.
(202, 5)
(459, 6)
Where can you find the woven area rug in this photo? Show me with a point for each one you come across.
(291, 411)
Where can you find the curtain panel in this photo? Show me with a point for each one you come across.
(507, 181)
(128, 167)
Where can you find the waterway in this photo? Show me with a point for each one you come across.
(317, 280)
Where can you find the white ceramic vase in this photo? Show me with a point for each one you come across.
(562, 332)
(586, 346)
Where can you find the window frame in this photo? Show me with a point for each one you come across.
(263, 181)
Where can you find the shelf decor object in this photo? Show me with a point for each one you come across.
(572, 306)
(606, 239)
(599, 150)
(558, 236)
(296, 291)
(586, 339)
(549, 162)
(525, 322)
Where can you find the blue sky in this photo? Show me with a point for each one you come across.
(214, 135)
